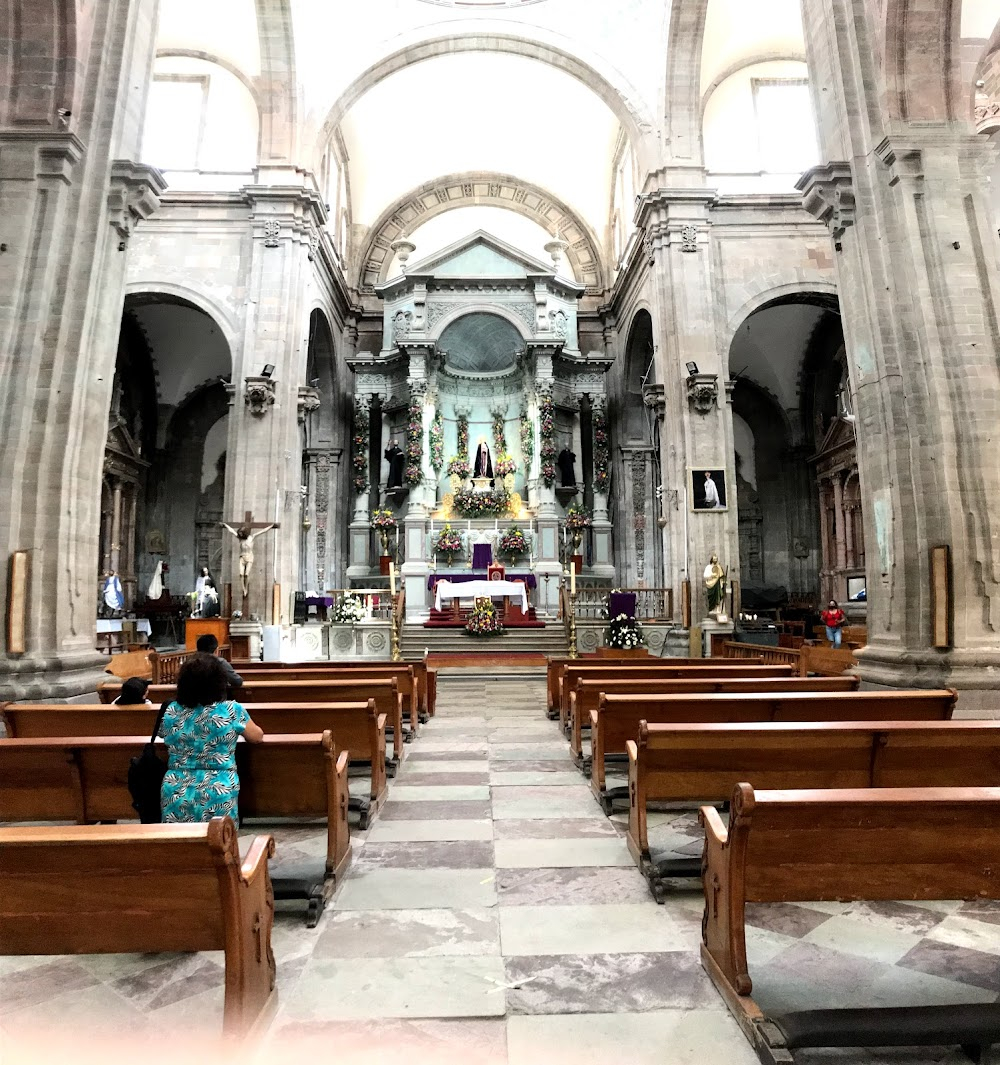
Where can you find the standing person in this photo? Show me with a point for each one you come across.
(205, 594)
(833, 618)
(712, 500)
(200, 728)
(207, 644)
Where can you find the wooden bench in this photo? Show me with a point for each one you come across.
(845, 845)
(357, 728)
(588, 693)
(617, 718)
(130, 889)
(425, 676)
(705, 667)
(696, 762)
(403, 674)
(804, 660)
(385, 692)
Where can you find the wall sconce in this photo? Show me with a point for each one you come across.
(692, 368)
(268, 372)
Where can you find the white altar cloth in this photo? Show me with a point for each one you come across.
(115, 625)
(480, 590)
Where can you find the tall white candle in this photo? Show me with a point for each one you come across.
(572, 577)
(392, 578)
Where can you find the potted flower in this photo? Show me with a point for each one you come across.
(625, 634)
(513, 544)
(448, 543)
(384, 523)
(349, 610)
(459, 470)
(577, 521)
(484, 620)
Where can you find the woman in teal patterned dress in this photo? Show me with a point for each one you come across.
(200, 728)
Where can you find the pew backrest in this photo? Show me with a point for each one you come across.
(129, 889)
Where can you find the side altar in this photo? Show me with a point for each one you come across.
(478, 425)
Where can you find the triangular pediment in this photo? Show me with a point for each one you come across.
(479, 255)
(839, 435)
(123, 446)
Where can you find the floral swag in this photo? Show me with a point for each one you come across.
(359, 446)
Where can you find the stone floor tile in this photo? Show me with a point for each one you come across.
(570, 887)
(528, 803)
(458, 792)
(408, 933)
(589, 827)
(960, 964)
(435, 810)
(561, 853)
(865, 940)
(568, 777)
(384, 831)
(425, 889)
(592, 929)
(463, 854)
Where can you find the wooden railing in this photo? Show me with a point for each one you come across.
(771, 656)
(805, 660)
(165, 665)
(651, 604)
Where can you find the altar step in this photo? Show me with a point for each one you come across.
(548, 640)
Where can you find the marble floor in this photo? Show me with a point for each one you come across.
(493, 916)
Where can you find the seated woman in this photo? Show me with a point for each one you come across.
(200, 728)
(133, 693)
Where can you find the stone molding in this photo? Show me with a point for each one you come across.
(308, 402)
(259, 395)
(280, 212)
(133, 195)
(828, 194)
(654, 397)
(702, 391)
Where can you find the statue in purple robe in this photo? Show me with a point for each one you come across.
(484, 461)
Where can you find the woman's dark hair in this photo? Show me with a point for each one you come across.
(201, 681)
(133, 692)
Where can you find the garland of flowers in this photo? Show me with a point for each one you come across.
(547, 424)
(499, 434)
(437, 443)
(415, 441)
(359, 447)
(602, 452)
(458, 465)
(527, 442)
(484, 620)
(468, 503)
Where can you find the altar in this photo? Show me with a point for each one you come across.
(482, 384)
(481, 589)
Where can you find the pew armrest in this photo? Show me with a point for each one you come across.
(723, 927)
(637, 838)
(255, 863)
(715, 829)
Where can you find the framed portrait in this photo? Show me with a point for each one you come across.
(941, 604)
(708, 489)
(17, 602)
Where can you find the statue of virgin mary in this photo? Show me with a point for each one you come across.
(484, 461)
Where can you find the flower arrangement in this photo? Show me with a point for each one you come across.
(484, 620)
(415, 441)
(504, 465)
(349, 610)
(602, 451)
(383, 520)
(448, 543)
(547, 426)
(513, 543)
(470, 504)
(459, 467)
(437, 443)
(577, 518)
(359, 446)
(527, 441)
(625, 633)
(499, 434)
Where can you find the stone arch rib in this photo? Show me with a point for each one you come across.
(923, 66)
(481, 190)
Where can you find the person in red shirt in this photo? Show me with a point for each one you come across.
(833, 618)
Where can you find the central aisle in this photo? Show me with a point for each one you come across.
(493, 915)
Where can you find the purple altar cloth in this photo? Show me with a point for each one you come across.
(528, 578)
(319, 600)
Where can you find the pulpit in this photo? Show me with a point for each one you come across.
(195, 627)
(482, 556)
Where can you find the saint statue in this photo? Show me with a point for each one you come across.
(246, 536)
(566, 463)
(484, 461)
(155, 589)
(396, 458)
(715, 586)
(114, 597)
(206, 603)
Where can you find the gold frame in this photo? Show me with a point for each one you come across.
(19, 574)
(941, 597)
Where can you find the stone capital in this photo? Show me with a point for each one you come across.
(280, 212)
(133, 195)
(308, 402)
(828, 195)
(654, 397)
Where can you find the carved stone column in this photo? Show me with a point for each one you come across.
(919, 297)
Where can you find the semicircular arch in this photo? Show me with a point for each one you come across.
(478, 189)
(497, 309)
(216, 311)
(608, 84)
(768, 291)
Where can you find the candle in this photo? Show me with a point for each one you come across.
(432, 526)
(392, 578)
(572, 577)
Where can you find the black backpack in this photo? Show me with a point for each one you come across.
(145, 777)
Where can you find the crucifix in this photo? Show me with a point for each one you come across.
(245, 534)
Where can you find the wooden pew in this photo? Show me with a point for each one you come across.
(665, 669)
(85, 779)
(588, 693)
(385, 692)
(844, 845)
(357, 728)
(402, 672)
(128, 889)
(425, 676)
(692, 762)
(617, 718)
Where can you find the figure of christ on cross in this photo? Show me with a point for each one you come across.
(245, 534)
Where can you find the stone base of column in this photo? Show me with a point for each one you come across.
(359, 563)
(52, 678)
(675, 642)
(975, 675)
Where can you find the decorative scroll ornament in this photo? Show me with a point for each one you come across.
(559, 322)
(272, 233)
(689, 238)
(258, 394)
(828, 194)
(402, 322)
(134, 194)
(703, 391)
